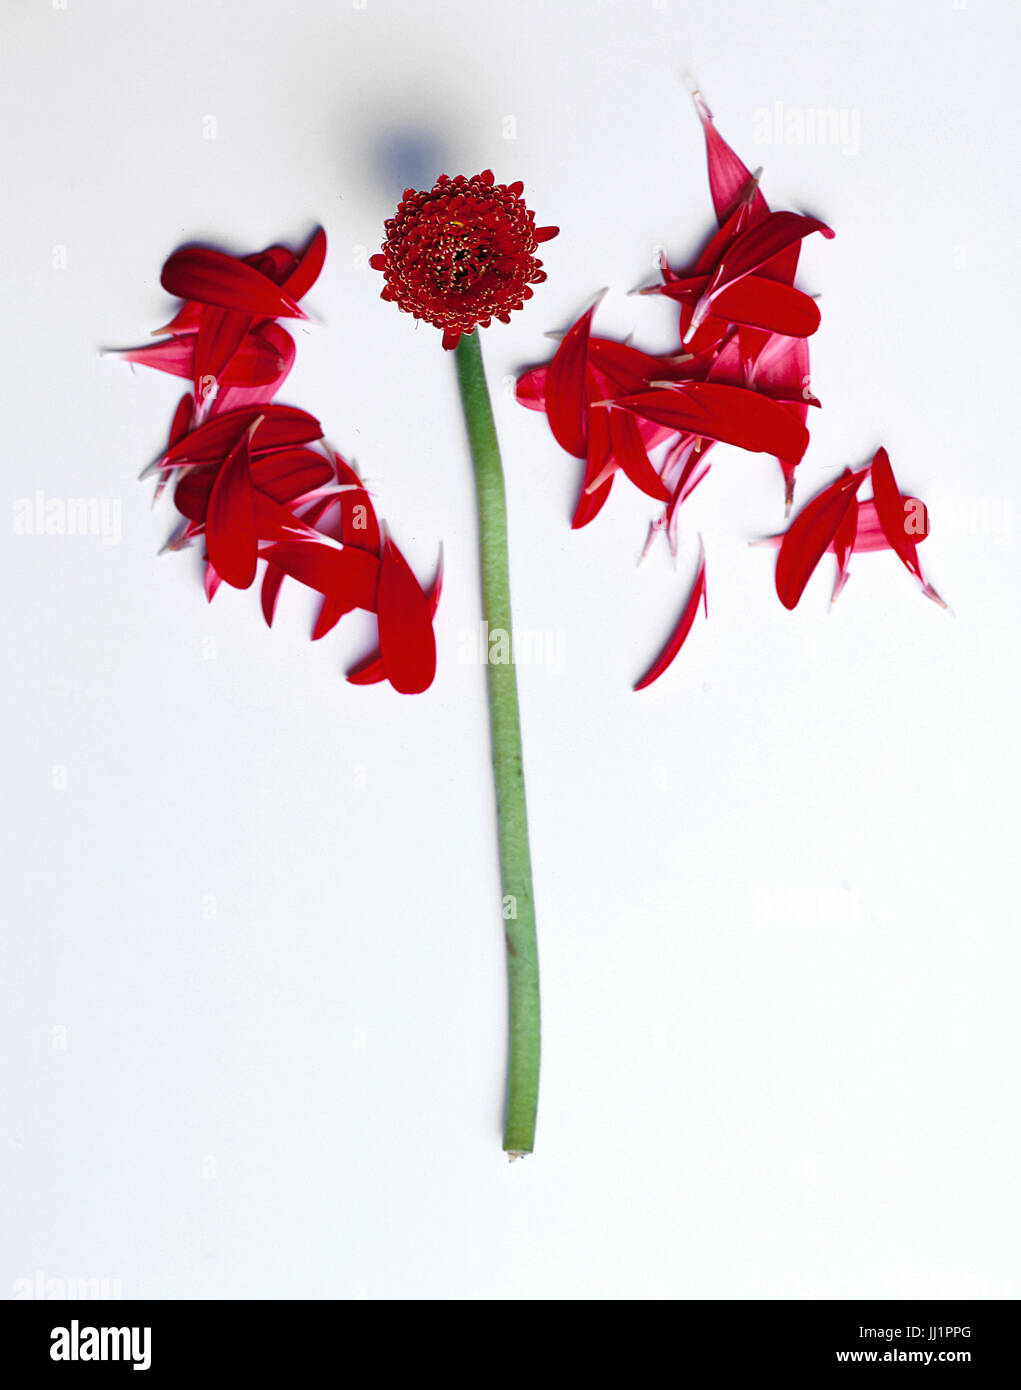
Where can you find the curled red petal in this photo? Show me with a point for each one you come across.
(531, 388)
(407, 643)
(309, 267)
(278, 262)
(211, 277)
(679, 635)
(761, 243)
(810, 535)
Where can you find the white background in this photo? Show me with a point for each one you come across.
(253, 998)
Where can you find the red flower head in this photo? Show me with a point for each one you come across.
(461, 254)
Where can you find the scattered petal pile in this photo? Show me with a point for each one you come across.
(739, 376)
(836, 520)
(256, 481)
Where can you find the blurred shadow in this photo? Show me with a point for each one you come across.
(404, 157)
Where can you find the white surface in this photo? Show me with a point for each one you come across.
(777, 892)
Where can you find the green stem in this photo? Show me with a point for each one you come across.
(515, 861)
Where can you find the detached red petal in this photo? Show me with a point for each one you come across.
(211, 277)
(406, 640)
(811, 533)
(679, 635)
(230, 519)
(893, 519)
(566, 397)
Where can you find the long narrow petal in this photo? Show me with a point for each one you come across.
(679, 635)
(407, 643)
(211, 277)
(566, 396)
(728, 176)
(270, 592)
(729, 414)
(590, 504)
(230, 519)
(810, 535)
(893, 519)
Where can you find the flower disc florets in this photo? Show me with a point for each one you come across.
(462, 253)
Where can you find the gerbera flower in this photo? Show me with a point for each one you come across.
(462, 254)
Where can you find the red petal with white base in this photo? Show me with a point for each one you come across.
(893, 519)
(729, 414)
(590, 504)
(770, 305)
